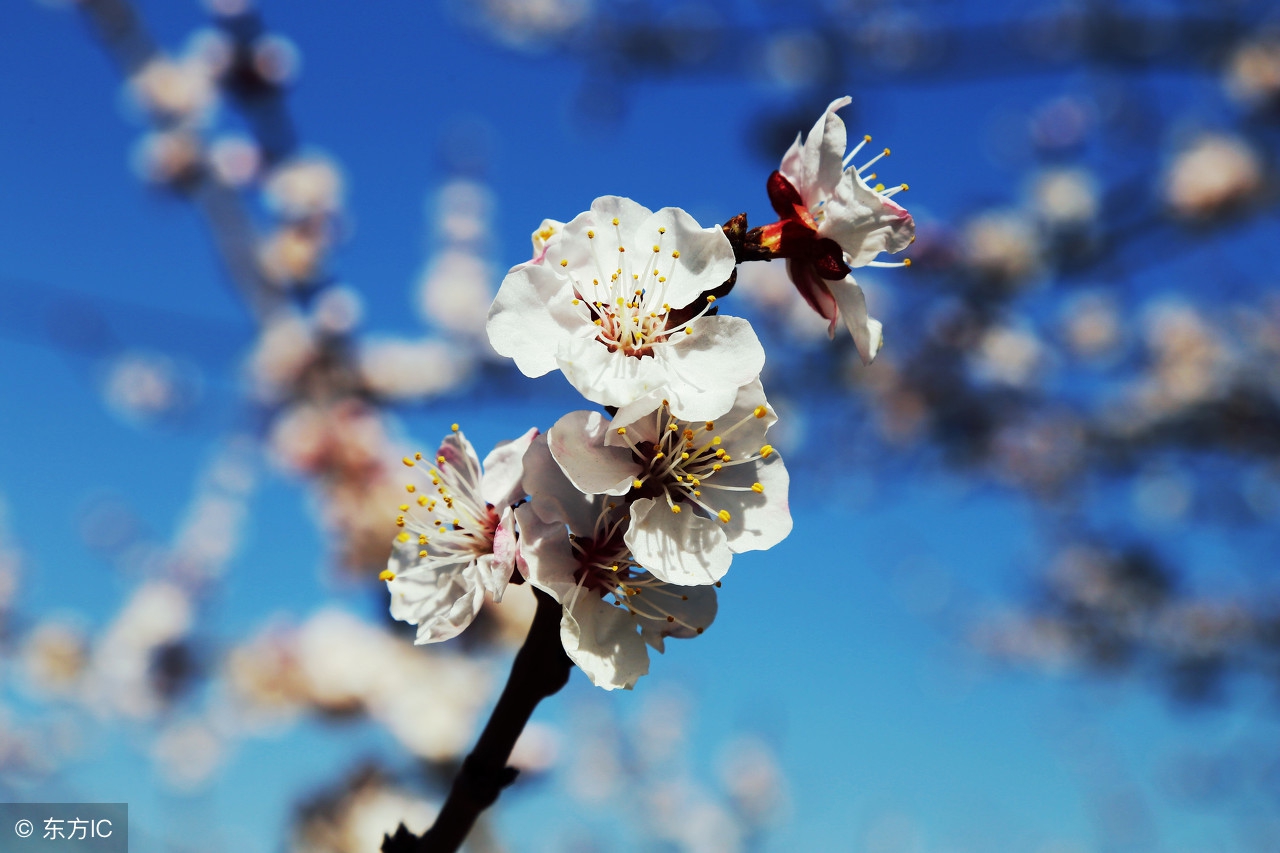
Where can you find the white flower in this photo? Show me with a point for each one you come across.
(833, 220)
(458, 543)
(702, 491)
(619, 303)
(612, 606)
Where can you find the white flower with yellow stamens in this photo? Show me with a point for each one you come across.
(457, 535)
(572, 546)
(620, 303)
(701, 491)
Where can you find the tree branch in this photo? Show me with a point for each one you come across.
(540, 669)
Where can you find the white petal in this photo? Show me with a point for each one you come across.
(866, 330)
(545, 555)
(757, 520)
(525, 322)
(552, 496)
(865, 223)
(706, 255)
(440, 601)
(503, 468)
(496, 568)
(577, 442)
(747, 438)
(706, 368)
(667, 610)
(677, 547)
(636, 417)
(604, 377)
(815, 169)
(603, 641)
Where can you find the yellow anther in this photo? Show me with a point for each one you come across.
(715, 442)
(410, 487)
(440, 459)
(710, 298)
(635, 484)
(591, 235)
(615, 220)
(661, 279)
(723, 515)
(671, 618)
(386, 575)
(697, 494)
(417, 456)
(716, 467)
(758, 488)
(598, 321)
(399, 521)
(720, 454)
(404, 507)
(878, 188)
(613, 568)
(659, 455)
(760, 411)
(684, 456)
(672, 427)
(675, 507)
(904, 187)
(622, 248)
(766, 450)
(688, 330)
(676, 253)
(656, 248)
(886, 152)
(866, 138)
(666, 306)
(407, 461)
(403, 537)
(711, 425)
(688, 433)
(422, 539)
(422, 554)
(906, 262)
(575, 302)
(622, 430)
(662, 230)
(564, 262)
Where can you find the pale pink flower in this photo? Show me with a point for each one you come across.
(572, 546)
(620, 303)
(702, 491)
(458, 536)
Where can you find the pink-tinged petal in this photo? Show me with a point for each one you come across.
(604, 377)
(704, 369)
(705, 262)
(545, 555)
(528, 318)
(816, 168)
(866, 330)
(757, 520)
(577, 442)
(548, 233)
(496, 568)
(503, 468)
(458, 454)
(603, 641)
(677, 547)
(865, 223)
(553, 497)
(441, 601)
(691, 609)
(813, 288)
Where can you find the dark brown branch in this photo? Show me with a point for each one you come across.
(540, 669)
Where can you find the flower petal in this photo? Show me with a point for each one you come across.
(705, 369)
(529, 317)
(705, 258)
(496, 568)
(666, 610)
(553, 497)
(440, 601)
(577, 442)
(503, 468)
(604, 377)
(677, 547)
(865, 223)
(815, 168)
(545, 555)
(868, 333)
(757, 520)
(603, 641)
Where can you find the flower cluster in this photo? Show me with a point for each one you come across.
(631, 516)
